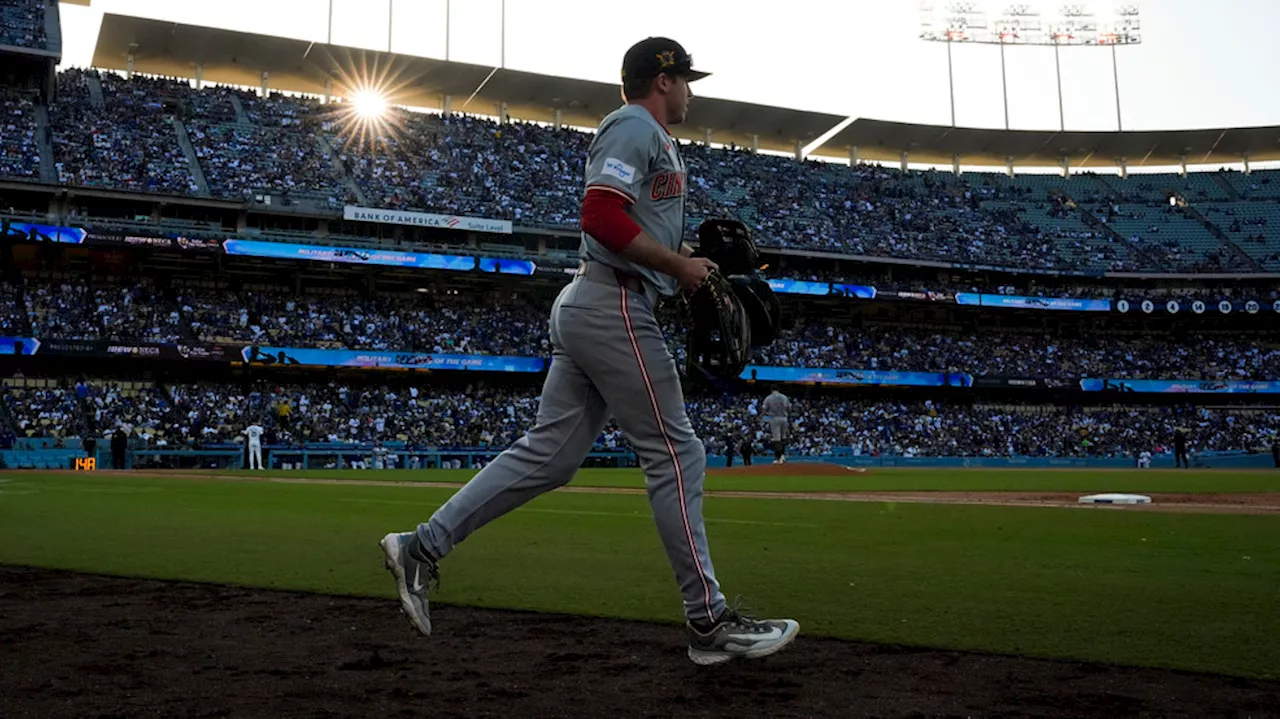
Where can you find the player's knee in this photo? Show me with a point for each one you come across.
(693, 458)
(562, 467)
(558, 462)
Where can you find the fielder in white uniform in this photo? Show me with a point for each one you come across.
(254, 433)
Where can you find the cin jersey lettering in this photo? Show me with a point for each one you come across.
(667, 185)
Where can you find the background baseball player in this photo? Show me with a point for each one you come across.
(254, 433)
(610, 358)
(776, 407)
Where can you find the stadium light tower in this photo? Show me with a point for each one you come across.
(1035, 23)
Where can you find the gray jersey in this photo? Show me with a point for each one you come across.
(634, 156)
(776, 405)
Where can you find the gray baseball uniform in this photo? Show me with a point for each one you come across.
(776, 406)
(609, 357)
(633, 156)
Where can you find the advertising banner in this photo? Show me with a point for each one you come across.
(507, 267)
(349, 255)
(1034, 303)
(426, 219)
(799, 287)
(286, 356)
(19, 345)
(146, 350)
(27, 232)
(948, 297)
(821, 289)
(167, 242)
(1012, 382)
(1180, 386)
(763, 373)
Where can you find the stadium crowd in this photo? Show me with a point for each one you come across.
(22, 23)
(235, 168)
(417, 323)
(531, 174)
(19, 152)
(85, 408)
(523, 172)
(13, 319)
(74, 311)
(823, 425)
(462, 324)
(126, 142)
(1012, 354)
(487, 417)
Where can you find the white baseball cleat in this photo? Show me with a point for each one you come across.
(414, 571)
(737, 637)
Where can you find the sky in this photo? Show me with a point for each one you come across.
(1201, 63)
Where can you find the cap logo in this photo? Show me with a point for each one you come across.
(666, 59)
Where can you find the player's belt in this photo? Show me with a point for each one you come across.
(598, 272)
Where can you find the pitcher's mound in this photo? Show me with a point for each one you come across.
(791, 469)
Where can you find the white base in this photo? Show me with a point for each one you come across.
(1116, 499)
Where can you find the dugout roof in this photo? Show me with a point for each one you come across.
(232, 57)
(883, 141)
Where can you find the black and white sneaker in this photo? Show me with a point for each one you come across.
(414, 571)
(737, 637)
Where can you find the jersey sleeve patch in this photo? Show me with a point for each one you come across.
(619, 169)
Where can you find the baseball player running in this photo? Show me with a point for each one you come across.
(775, 407)
(610, 358)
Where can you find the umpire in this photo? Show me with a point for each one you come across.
(1180, 448)
(119, 448)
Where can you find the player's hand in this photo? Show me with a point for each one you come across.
(693, 271)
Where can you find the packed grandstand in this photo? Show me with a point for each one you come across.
(159, 167)
(111, 133)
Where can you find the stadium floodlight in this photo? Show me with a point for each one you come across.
(1099, 23)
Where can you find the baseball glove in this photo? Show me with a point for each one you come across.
(728, 244)
(719, 339)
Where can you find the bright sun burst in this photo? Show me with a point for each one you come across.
(369, 104)
(368, 119)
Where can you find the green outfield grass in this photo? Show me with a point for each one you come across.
(1199, 592)
(1030, 480)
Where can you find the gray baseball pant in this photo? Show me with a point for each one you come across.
(778, 429)
(609, 358)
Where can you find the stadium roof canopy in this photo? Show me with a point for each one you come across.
(882, 141)
(165, 48)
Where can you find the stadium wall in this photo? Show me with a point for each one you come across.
(341, 457)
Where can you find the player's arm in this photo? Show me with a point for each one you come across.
(644, 250)
(617, 169)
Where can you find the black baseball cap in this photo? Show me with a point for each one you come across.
(653, 56)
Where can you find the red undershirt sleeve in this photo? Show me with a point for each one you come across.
(605, 218)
